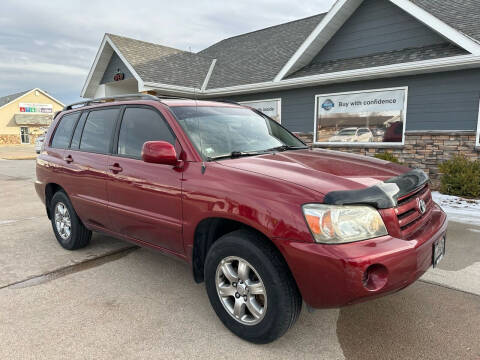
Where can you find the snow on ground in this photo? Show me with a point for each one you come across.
(459, 209)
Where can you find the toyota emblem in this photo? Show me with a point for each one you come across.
(422, 207)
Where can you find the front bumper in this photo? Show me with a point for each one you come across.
(338, 275)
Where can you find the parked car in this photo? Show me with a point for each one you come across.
(394, 132)
(266, 222)
(353, 134)
(39, 143)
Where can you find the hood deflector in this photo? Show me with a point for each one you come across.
(381, 196)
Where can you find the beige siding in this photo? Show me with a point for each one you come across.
(9, 130)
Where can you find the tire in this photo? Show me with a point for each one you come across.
(281, 302)
(78, 235)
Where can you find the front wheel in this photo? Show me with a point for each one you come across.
(250, 287)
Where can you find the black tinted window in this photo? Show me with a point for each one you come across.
(140, 125)
(98, 130)
(64, 130)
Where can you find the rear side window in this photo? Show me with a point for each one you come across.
(63, 133)
(98, 130)
(140, 125)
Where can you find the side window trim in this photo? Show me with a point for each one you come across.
(75, 129)
(119, 126)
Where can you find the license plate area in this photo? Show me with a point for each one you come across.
(439, 250)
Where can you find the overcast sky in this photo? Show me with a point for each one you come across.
(52, 44)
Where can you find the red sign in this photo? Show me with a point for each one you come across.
(119, 76)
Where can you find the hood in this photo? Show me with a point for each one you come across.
(320, 170)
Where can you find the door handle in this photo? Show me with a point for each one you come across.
(68, 158)
(115, 168)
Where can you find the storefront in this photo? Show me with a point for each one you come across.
(26, 115)
(369, 76)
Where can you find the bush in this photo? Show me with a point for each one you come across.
(388, 157)
(461, 177)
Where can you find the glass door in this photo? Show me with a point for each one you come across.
(24, 135)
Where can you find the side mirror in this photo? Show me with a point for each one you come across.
(159, 152)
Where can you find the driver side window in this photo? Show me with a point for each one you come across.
(140, 125)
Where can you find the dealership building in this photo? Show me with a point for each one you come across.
(369, 76)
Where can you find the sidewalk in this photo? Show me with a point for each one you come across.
(18, 152)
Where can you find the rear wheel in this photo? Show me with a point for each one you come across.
(250, 287)
(68, 229)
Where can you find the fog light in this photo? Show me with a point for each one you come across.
(375, 277)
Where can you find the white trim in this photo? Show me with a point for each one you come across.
(29, 92)
(335, 19)
(439, 26)
(94, 66)
(369, 144)
(395, 70)
(209, 73)
(265, 100)
(477, 140)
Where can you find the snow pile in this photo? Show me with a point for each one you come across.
(459, 209)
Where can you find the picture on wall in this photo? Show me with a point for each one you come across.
(371, 116)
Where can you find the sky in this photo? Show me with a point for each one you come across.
(52, 44)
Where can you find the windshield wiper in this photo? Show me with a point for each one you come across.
(236, 154)
(287, 147)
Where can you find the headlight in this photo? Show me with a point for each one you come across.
(332, 224)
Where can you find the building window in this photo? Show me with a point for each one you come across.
(24, 135)
(370, 117)
(270, 107)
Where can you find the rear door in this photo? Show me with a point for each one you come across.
(86, 164)
(144, 199)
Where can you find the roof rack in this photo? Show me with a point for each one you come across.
(227, 101)
(110, 99)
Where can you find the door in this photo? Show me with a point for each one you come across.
(144, 199)
(86, 165)
(24, 135)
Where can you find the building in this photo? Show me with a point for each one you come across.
(26, 115)
(369, 76)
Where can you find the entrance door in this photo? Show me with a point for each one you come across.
(25, 137)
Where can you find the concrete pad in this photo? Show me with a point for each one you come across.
(18, 152)
(144, 306)
(28, 246)
(423, 321)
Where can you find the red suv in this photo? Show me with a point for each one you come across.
(262, 219)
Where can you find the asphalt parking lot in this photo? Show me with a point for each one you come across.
(114, 301)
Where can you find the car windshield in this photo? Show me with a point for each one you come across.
(230, 131)
(347, 132)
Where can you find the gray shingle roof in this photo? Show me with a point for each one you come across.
(8, 98)
(386, 58)
(257, 56)
(463, 15)
(138, 52)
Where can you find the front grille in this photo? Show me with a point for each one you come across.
(409, 216)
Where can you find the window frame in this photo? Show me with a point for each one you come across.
(477, 140)
(89, 111)
(114, 149)
(50, 142)
(364, 144)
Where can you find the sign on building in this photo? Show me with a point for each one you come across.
(371, 116)
(36, 108)
(271, 108)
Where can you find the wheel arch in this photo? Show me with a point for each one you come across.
(50, 190)
(210, 230)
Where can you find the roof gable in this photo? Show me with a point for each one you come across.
(377, 26)
(8, 99)
(344, 9)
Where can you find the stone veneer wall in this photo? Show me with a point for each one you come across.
(424, 150)
(15, 139)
